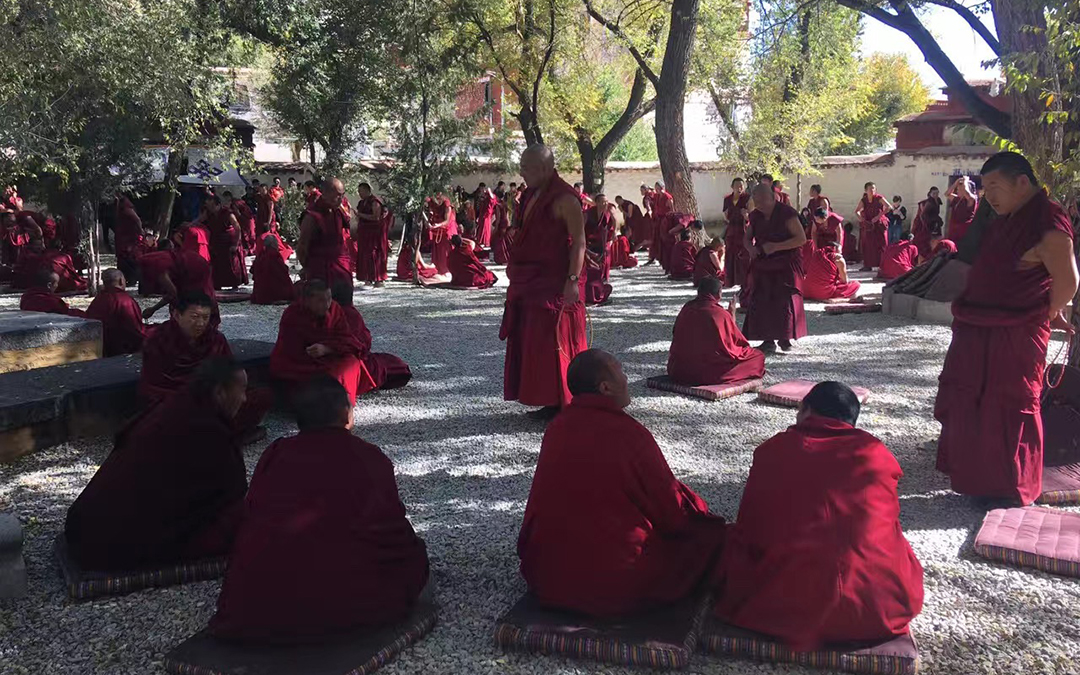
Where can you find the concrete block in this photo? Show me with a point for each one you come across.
(31, 340)
(932, 311)
(13, 582)
(899, 304)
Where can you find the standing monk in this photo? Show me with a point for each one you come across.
(372, 237)
(544, 320)
(226, 255)
(990, 389)
(128, 234)
(827, 228)
(773, 291)
(817, 200)
(873, 212)
(323, 247)
(485, 213)
(661, 204)
(963, 202)
(636, 223)
(599, 228)
(927, 215)
(443, 226)
(265, 217)
(737, 214)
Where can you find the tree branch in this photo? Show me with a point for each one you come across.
(725, 117)
(544, 62)
(636, 108)
(618, 33)
(976, 25)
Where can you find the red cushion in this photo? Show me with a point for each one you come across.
(792, 392)
(1045, 539)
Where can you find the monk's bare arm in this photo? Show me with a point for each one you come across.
(233, 222)
(166, 283)
(1055, 251)
(307, 226)
(796, 239)
(568, 210)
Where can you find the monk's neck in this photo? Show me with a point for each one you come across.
(1021, 205)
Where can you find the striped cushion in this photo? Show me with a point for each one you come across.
(355, 654)
(713, 392)
(663, 639)
(899, 656)
(1045, 539)
(792, 392)
(83, 585)
(447, 286)
(1060, 485)
(853, 308)
(226, 297)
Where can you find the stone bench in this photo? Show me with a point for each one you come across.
(31, 340)
(48, 406)
(12, 566)
(914, 307)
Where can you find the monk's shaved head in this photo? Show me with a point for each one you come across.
(333, 192)
(113, 278)
(761, 191)
(834, 400)
(595, 371)
(224, 380)
(270, 242)
(537, 165)
(323, 403)
(709, 286)
(46, 278)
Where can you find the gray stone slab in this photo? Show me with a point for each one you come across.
(29, 330)
(932, 311)
(898, 304)
(13, 581)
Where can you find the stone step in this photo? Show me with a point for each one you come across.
(13, 583)
(31, 340)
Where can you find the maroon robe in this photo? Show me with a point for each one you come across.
(832, 230)
(773, 291)
(31, 263)
(152, 267)
(819, 202)
(169, 359)
(683, 260)
(597, 291)
(707, 347)
(822, 281)
(372, 242)
(127, 235)
(944, 245)
(271, 282)
(817, 555)
(328, 256)
(608, 529)
(929, 211)
(299, 329)
(44, 300)
(598, 231)
(989, 396)
(441, 246)
(485, 214)
(467, 271)
(196, 239)
(171, 491)
(406, 260)
(246, 219)
(385, 370)
(873, 230)
(122, 327)
(637, 224)
(898, 259)
(501, 239)
(705, 266)
(323, 507)
(226, 253)
(622, 255)
(961, 215)
(737, 260)
(265, 217)
(662, 205)
(542, 334)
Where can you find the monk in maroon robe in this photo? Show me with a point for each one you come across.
(443, 226)
(409, 260)
(991, 386)
(781, 196)
(927, 214)
(323, 247)
(466, 271)
(501, 237)
(122, 327)
(622, 255)
(827, 227)
(773, 291)
(314, 338)
(128, 234)
(662, 204)
(899, 258)
(372, 237)
(180, 273)
(35, 258)
(485, 213)
(386, 371)
(963, 203)
(873, 213)
(544, 320)
(172, 489)
(941, 246)
(818, 201)
(635, 223)
(271, 283)
(710, 261)
(42, 297)
(707, 348)
(683, 258)
(608, 529)
(817, 555)
(173, 350)
(599, 229)
(195, 238)
(363, 565)
(246, 218)
(227, 264)
(597, 291)
(826, 274)
(265, 215)
(737, 215)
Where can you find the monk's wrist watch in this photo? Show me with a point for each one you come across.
(573, 277)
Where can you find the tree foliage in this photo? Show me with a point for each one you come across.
(885, 88)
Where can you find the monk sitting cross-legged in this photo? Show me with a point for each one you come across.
(710, 262)
(899, 258)
(122, 327)
(597, 291)
(172, 489)
(707, 347)
(385, 370)
(683, 258)
(608, 529)
(323, 510)
(817, 554)
(271, 281)
(826, 273)
(466, 270)
(42, 296)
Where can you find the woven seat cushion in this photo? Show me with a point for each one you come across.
(1061, 443)
(898, 656)
(792, 392)
(1032, 536)
(226, 297)
(663, 638)
(713, 392)
(354, 654)
(859, 308)
(84, 584)
(450, 287)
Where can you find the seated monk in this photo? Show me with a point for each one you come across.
(850, 248)
(597, 292)
(385, 370)
(42, 297)
(939, 245)
(683, 257)
(608, 529)
(122, 327)
(172, 489)
(710, 262)
(621, 253)
(315, 338)
(817, 555)
(178, 273)
(826, 274)
(270, 273)
(411, 265)
(323, 507)
(34, 257)
(899, 258)
(466, 271)
(707, 348)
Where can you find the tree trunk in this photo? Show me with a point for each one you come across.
(670, 98)
(174, 166)
(530, 125)
(592, 165)
(89, 218)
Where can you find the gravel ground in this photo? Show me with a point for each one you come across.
(464, 461)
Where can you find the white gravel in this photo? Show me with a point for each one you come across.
(464, 460)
